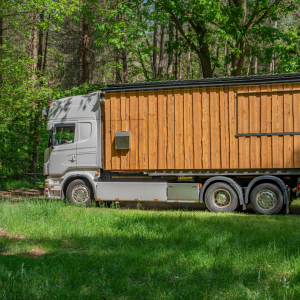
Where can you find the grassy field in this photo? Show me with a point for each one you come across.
(50, 250)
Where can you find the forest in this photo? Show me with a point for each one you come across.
(51, 49)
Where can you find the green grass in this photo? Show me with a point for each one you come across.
(22, 184)
(103, 253)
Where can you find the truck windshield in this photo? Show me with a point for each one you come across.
(64, 135)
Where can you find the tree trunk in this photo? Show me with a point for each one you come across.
(40, 46)
(276, 62)
(237, 58)
(93, 73)
(202, 49)
(124, 59)
(154, 51)
(255, 65)
(80, 55)
(45, 51)
(161, 52)
(118, 75)
(125, 72)
(85, 52)
(227, 65)
(115, 71)
(275, 59)
(171, 53)
(176, 57)
(1, 35)
(1, 44)
(188, 64)
(33, 36)
(180, 66)
(250, 65)
(204, 53)
(143, 65)
(242, 4)
(37, 47)
(35, 140)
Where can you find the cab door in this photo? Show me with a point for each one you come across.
(63, 156)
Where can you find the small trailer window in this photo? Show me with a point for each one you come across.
(64, 135)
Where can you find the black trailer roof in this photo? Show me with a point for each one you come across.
(203, 82)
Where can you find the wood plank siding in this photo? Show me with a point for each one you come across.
(191, 128)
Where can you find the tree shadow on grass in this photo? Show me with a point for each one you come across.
(160, 256)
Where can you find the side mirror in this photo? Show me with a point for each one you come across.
(51, 137)
(44, 114)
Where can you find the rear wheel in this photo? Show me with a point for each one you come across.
(221, 197)
(79, 193)
(266, 199)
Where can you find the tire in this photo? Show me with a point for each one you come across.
(266, 199)
(221, 197)
(79, 193)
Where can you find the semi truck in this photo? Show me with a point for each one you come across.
(226, 142)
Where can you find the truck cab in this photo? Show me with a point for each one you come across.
(74, 146)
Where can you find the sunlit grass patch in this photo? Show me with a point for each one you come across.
(135, 254)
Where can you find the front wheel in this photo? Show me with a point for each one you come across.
(266, 199)
(79, 193)
(221, 197)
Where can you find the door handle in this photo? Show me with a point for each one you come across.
(73, 158)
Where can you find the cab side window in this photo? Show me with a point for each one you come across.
(64, 135)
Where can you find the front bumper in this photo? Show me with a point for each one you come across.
(53, 189)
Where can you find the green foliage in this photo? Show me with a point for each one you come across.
(20, 183)
(79, 90)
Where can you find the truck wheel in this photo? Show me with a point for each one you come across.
(266, 199)
(221, 197)
(79, 193)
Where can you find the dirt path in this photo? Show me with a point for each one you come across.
(22, 194)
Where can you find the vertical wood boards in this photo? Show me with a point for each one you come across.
(288, 126)
(224, 126)
(171, 129)
(296, 110)
(179, 145)
(243, 125)
(279, 125)
(234, 142)
(162, 129)
(265, 127)
(195, 128)
(197, 122)
(143, 131)
(215, 128)
(205, 129)
(254, 124)
(152, 130)
(188, 129)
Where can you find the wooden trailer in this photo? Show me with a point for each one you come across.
(237, 123)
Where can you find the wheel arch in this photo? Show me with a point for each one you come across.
(267, 179)
(71, 178)
(232, 182)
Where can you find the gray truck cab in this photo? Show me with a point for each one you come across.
(74, 147)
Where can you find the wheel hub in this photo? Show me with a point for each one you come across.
(221, 198)
(266, 199)
(80, 193)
